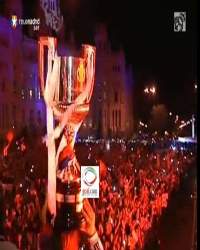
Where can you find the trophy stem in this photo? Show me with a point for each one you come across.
(51, 164)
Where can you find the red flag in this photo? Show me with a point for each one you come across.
(103, 168)
(67, 152)
(9, 138)
(5, 150)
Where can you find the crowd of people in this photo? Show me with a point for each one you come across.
(135, 186)
(23, 213)
(134, 194)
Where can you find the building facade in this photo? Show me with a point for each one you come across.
(21, 104)
(111, 112)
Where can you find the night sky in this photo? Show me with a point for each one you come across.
(155, 51)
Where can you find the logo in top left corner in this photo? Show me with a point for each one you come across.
(14, 21)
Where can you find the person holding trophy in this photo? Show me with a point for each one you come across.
(67, 92)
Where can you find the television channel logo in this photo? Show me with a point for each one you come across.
(179, 21)
(90, 181)
(14, 21)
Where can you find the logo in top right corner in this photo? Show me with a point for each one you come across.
(179, 21)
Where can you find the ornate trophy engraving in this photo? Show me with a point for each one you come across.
(67, 92)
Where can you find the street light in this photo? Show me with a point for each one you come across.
(142, 124)
(176, 120)
(146, 90)
(153, 90)
(150, 90)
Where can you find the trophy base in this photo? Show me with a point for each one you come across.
(66, 219)
(69, 207)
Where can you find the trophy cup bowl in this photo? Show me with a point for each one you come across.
(71, 84)
(67, 93)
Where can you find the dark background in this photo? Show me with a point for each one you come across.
(155, 51)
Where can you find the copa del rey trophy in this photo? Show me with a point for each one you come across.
(67, 85)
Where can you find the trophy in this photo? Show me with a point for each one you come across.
(67, 85)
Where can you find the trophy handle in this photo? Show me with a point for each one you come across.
(89, 53)
(51, 44)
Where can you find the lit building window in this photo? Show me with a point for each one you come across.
(22, 94)
(39, 95)
(31, 93)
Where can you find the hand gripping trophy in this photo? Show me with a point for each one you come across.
(67, 91)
